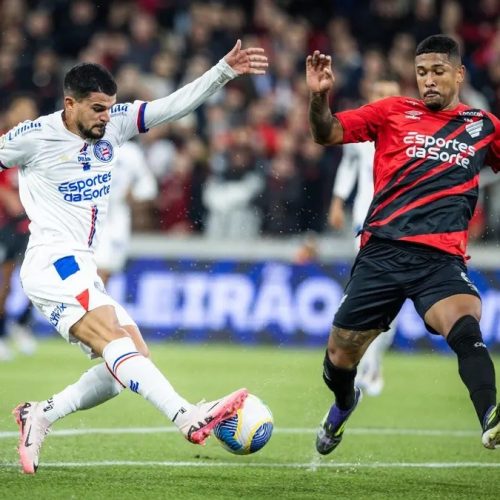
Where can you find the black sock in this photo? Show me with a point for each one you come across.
(474, 363)
(341, 382)
(25, 316)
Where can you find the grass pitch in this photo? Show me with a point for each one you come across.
(418, 440)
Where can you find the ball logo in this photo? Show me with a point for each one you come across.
(103, 150)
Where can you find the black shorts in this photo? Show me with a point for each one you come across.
(12, 243)
(387, 272)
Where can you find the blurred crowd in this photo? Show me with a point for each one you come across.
(244, 164)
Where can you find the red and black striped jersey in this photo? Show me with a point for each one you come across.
(426, 168)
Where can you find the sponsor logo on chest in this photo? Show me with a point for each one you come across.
(429, 147)
(88, 189)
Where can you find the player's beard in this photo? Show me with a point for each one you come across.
(434, 106)
(437, 104)
(92, 133)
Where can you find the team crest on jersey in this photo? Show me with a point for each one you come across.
(475, 128)
(103, 150)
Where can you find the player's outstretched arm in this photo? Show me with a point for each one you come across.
(325, 128)
(237, 62)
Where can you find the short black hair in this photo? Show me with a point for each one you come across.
(85, 78)
(441, 44)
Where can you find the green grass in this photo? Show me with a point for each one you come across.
(423, 392)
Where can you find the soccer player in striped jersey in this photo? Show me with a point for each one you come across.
(428, 154)
(356, 169)
(66, 162)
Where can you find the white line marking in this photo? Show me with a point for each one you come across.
(279, 430)
(326, 465)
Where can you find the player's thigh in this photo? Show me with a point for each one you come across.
(104, 324)
(129, 325)
(97, 328)
(372, 297)
(445, 295)
(446, 312)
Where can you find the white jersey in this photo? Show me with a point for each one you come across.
(131, 177)
(65, 181)
(356, 165)
(65, 184)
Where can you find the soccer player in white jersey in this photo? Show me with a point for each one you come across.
(132, 180)
(356, 169)
(66, 164)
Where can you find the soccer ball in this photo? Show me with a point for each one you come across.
(247, 431)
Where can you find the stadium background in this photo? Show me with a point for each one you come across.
(261, 266)
(193, 276)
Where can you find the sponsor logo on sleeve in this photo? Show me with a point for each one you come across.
(23, 129)
(119, 109)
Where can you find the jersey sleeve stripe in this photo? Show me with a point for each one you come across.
(141, 125)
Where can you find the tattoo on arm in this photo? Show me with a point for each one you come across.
(325, 128)
(320, 118)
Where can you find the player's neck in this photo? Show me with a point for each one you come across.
(69, 125)
(452, 105)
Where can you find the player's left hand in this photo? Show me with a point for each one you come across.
(251, 61)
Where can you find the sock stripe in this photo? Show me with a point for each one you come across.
(114, 376)
(119, 360)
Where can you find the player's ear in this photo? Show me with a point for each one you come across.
(69, 102)
(461, 74)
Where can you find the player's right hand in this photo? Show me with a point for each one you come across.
(336, 216)
(251, 61)
(319, 75)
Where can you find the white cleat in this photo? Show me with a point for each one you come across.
(32, 429)
(24, 338)
(197, 424)
(371, 385)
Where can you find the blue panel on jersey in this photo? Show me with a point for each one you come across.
(66, 266)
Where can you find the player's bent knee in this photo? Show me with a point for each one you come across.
(335, 375)
(465, 335)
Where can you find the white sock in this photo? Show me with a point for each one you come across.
(140, 375)
(94, 387)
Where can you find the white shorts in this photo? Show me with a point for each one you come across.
(63, 289)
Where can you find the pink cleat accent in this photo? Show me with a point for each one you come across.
(203, 417)
(32, 429)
